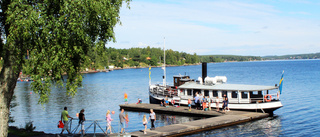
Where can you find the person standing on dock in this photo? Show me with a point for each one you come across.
(125, 98)
(200, 100)
(217, 103)
(123, 119)
(152, 117)
(189, 104)
(196, 101)
(145, 122)
(109, 119)
(225, 103)
(81, 121)
(209, 103)
(64, 118)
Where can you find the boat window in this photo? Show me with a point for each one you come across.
(256, 94)
(215, 93)
(224, 93)
(244, 94)
(181, 91)
(189, 92)
(234, 94)
(206, 92)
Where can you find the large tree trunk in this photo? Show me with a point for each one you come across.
(8, 80)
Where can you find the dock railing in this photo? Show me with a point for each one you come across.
(75, 127)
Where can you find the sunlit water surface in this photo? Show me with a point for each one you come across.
(104, 91)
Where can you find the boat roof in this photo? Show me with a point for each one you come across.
(226, 87)
(180, 76)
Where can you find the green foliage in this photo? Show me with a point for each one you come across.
(222, 58)
(29, 127)
(13, 131)
(58, 36)
(149, 56)
(1, 63)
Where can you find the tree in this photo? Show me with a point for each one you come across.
(57, 35)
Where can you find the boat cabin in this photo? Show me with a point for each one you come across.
(236, 93)
(180, 79)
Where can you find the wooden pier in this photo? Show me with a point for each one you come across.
(216, 120)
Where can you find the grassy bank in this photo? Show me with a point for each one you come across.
(14, 131)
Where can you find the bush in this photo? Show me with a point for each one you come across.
(29, 126)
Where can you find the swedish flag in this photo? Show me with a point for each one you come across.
(281, 82)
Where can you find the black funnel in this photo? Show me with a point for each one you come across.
(204, 71)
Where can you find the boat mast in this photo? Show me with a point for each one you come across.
(164, 62)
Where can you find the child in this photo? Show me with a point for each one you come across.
(217, 103)
(139, 101)
(204, 103)
(145, 122)
(189, 104)
(125, 98)
(109, 119)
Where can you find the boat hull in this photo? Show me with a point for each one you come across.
(267, 107)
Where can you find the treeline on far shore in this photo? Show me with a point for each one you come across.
(101, 58)
(143, 57)
(295, 56)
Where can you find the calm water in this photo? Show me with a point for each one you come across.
(104, 91)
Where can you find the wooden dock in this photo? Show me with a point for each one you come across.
(216, 120)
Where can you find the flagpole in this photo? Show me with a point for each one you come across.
(149, 75)
(164, 62)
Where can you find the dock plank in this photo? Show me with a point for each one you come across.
(216, 120)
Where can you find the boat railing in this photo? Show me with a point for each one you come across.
(165, 92)
(263, 99)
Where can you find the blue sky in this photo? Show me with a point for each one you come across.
(211, 27)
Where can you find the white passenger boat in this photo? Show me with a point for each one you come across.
(240, 96)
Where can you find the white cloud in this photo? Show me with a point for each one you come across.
(217, 27)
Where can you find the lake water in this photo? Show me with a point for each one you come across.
(103, 91)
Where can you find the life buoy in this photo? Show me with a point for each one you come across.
(266, 98)
(172, 102)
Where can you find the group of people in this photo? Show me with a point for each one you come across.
(204, 103)
(165, 102)
(123, 120)
(65, 118)
(201, 102)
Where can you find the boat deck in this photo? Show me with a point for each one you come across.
(216, 120)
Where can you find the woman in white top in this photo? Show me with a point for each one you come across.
(217, 103)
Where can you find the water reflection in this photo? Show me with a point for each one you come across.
(270, 126)
(104, 91)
